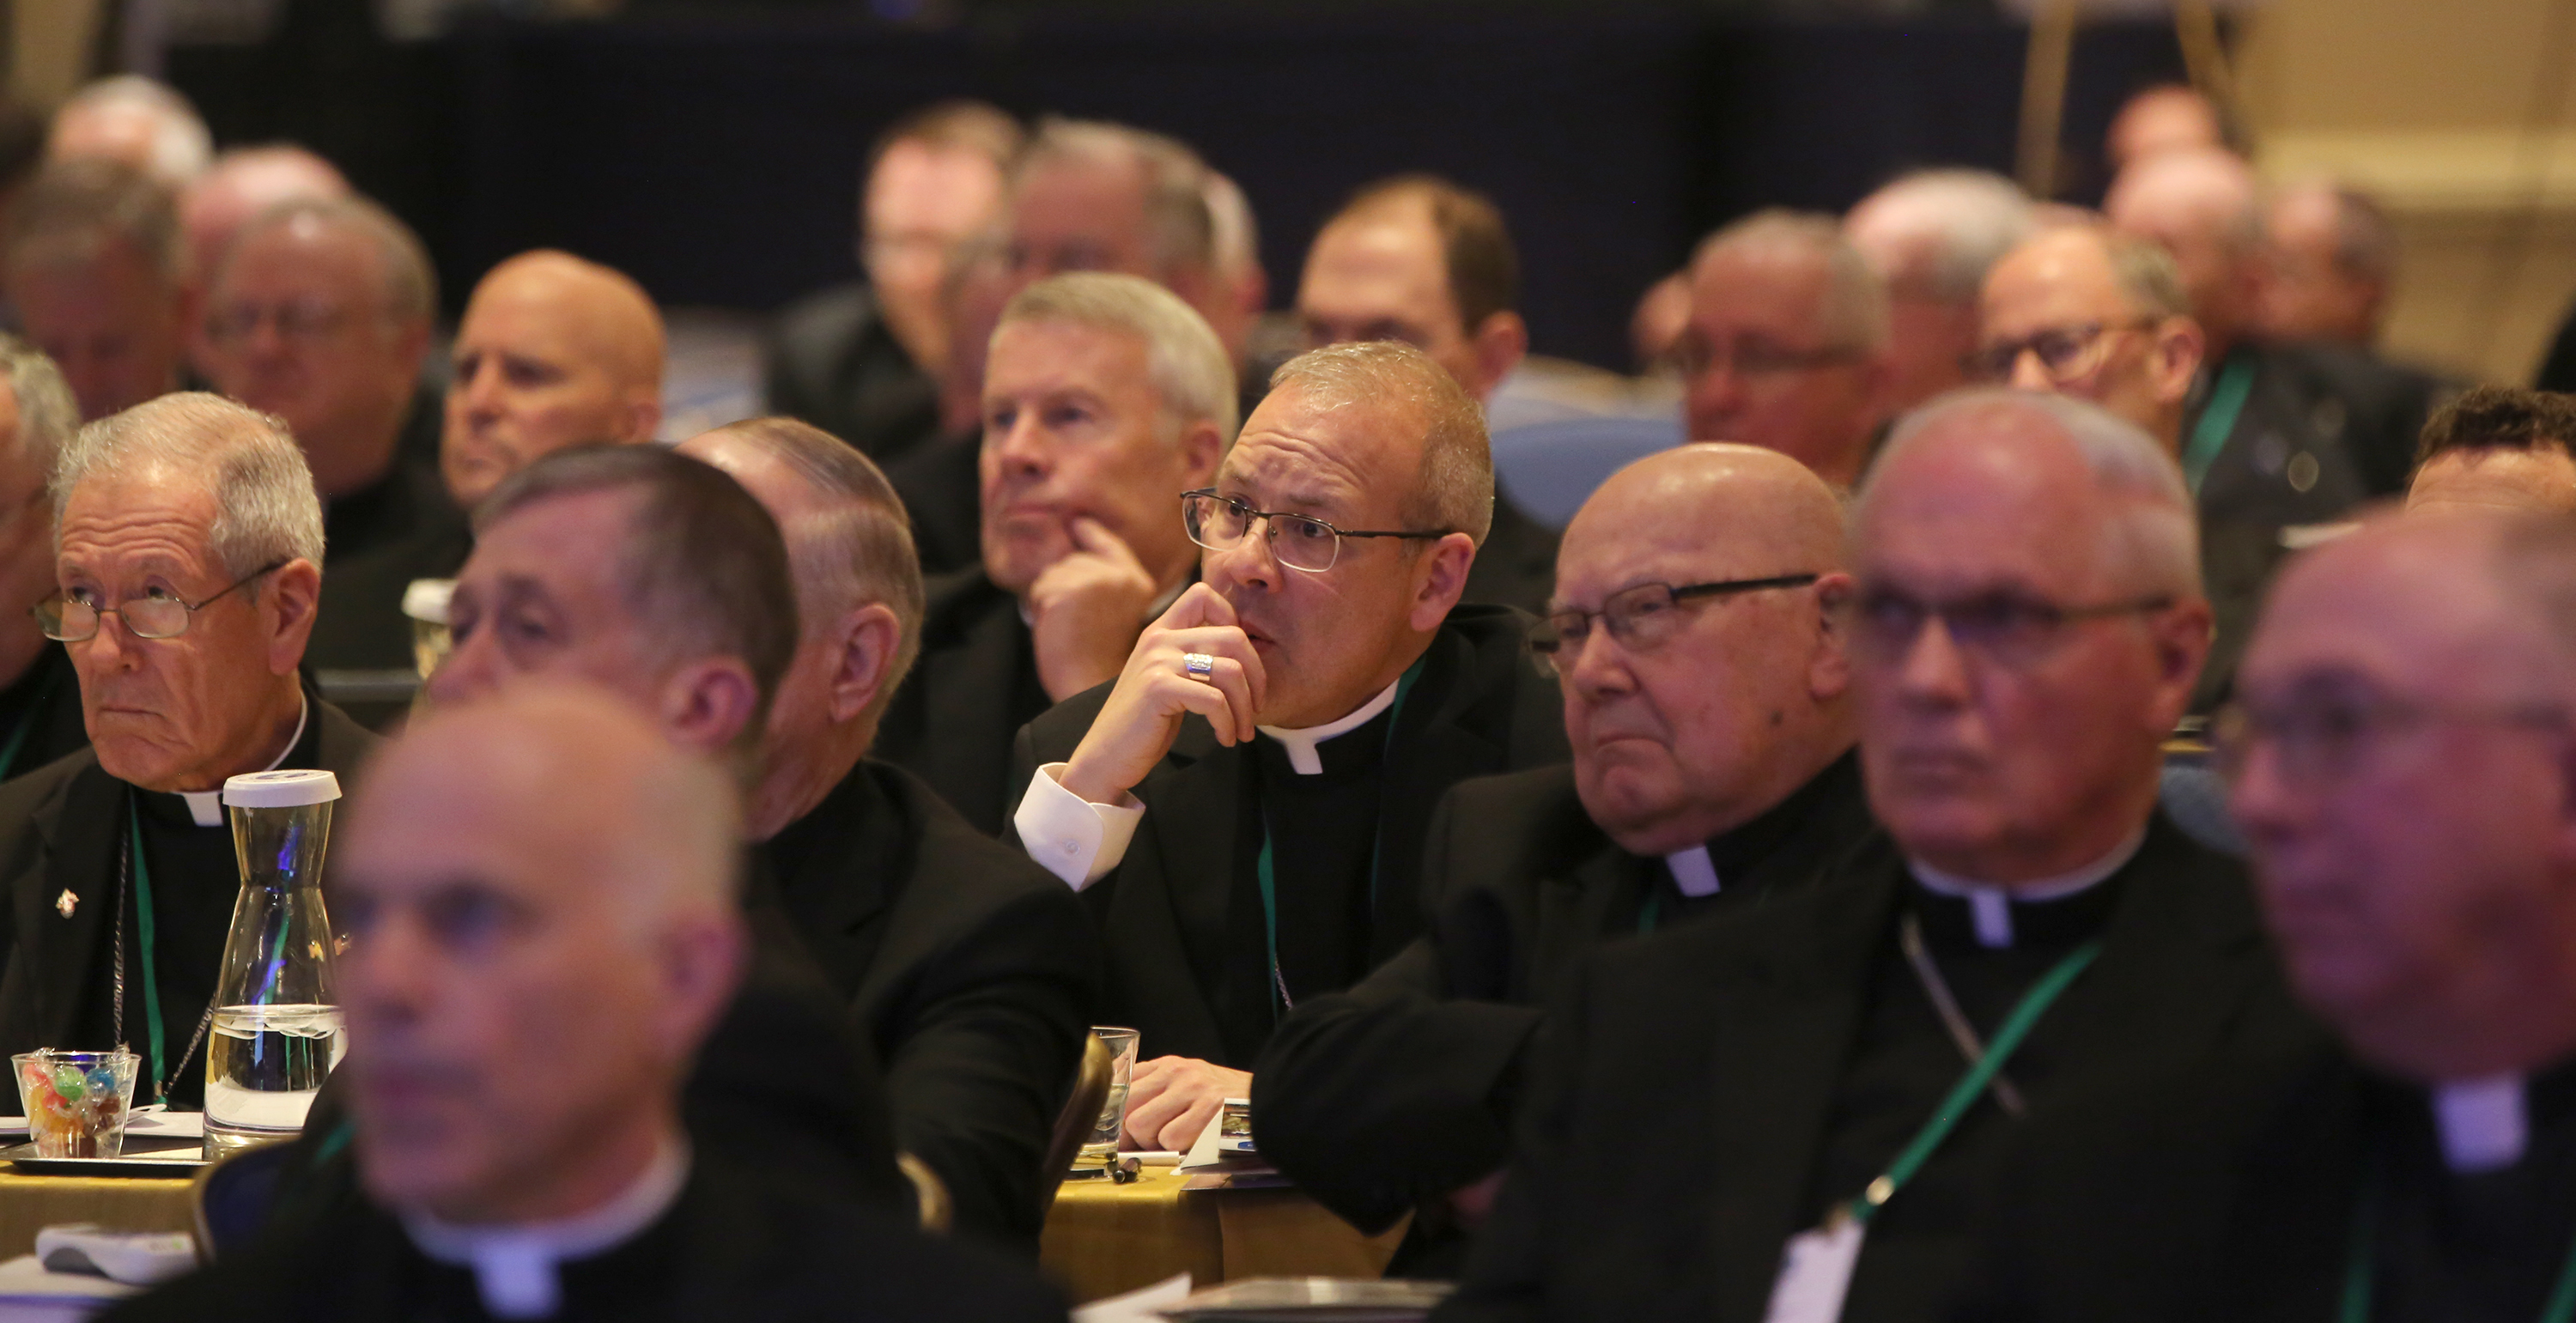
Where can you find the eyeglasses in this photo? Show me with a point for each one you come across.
(158, 615)
(1755, 356)
(1641, 618)
(2319, 739)
(294, 321)
(1300, 542)
(2065, 352)
(2006, 628)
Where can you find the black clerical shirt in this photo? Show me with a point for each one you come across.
(2468, 1247)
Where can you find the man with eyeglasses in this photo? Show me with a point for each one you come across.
(320, 314)
(1794, 1112)
(187, 547)
(1105, 397)
(2083, 310)
(1245, 807)
(1706, 696)
(1787, 343)
(2398, 755)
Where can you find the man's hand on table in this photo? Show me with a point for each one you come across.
(1085, 608)
(1155, 693)
(1171, 1099)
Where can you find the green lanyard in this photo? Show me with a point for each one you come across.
(35, 713)
(1963, 1094)
(2359, 1282)
(143, 929)
(2218, 418)
(1266, 870)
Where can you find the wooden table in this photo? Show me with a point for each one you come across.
(1101, 1239)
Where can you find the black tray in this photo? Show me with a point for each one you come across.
(185, 1158)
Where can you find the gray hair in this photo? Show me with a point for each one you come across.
(1971, 217)
(73, 209)
(858, 550)
(1454, 486)
(2147, 274)
(181, 145)
(266, 510)
(1854, 315)
(410, 283)
(1191, 372)
(1181, 229)
(47, 413)
(2155, 533)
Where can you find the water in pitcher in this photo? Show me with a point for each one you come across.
(263, 1066)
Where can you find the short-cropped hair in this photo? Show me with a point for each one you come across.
(1854, 315)
(1484, 268)
(1453, 488)
(73, 209)
(856, 550)
(266, 510)
(2153, 540)
(2500, 418)
(1189, 367)
(704, 566)
(2146, 272)
(957, 125)
(410, 288)
(1181, 232)
(47, 413)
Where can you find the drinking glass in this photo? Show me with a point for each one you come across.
(76, 1101)
(1102, 1148)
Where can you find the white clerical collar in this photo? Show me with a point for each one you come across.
(207, 806)
(1991, 905)
(1693, 871)
(1302, 757)
(2482, 1123)
(514, 1266)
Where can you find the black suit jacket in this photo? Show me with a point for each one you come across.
(940, 491)
(59, 831)
(831, 360)
(2322, 430)
(1401, 1090)
(1679, 1111)
(737, 1244)
(972, 688)
(970, 970)
(48, 705)
(1165, 911)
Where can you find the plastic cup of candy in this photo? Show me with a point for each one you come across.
(76, 1101)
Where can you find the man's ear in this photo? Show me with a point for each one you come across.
(287, 603)
(1501, 343)
(2182, 636)
(708, 702)
(1829, 667)
(1439, 580)
(702, 962)
(1202, 446)
(643, 416)
(864, 645)
(2179, 345)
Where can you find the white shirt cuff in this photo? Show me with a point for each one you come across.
(1070, 836)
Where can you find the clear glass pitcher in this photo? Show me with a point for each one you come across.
(278, 1029)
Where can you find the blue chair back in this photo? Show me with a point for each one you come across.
(1550, 469)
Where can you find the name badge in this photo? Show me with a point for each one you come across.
(1816, 1272)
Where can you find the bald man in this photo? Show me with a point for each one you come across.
(1715, 1119)
(2163, 118)
(1707, 700)
(2498, 448)
(242, 183)
(610, 859)
(554, 352)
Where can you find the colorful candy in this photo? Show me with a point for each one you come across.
(76, 1109)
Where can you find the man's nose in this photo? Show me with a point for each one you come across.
(1249, 562)
(1598, 666)
(1716, 388)
(482, 391)
(472, 667)
(1021, 447)
(1932, 668)
(2028, 373)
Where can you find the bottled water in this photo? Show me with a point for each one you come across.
(263, 1066)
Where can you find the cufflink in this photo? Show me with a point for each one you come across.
(66, 903)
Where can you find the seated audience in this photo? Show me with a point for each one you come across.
(1932, 235)
(862, 360)
(2498, 448)
(2333, 261)
(1245, 808)
(2400, 767)
(1775, 1114)
(241, 184)
(1085, 196)
(1787, 343)
(1417, 258)
(40, 707)
(187, 546)
(319, 313)
(553, 352)
(516, 1084)
(2083, 310)
(137, 123)
(93, 263)
(970, 969)
(1105, 398)
(1706, 696)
